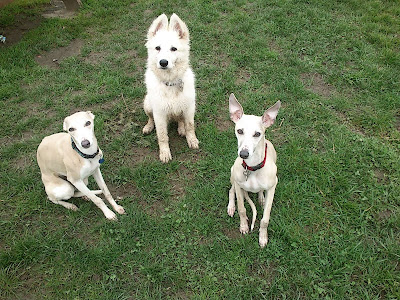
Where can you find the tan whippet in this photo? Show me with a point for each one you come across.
(66, 160)
(255, 169)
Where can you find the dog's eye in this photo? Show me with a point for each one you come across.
(158, 48)
(87, 123)
(240, 131)
(257, 134)
(173, 49)
(71, 129)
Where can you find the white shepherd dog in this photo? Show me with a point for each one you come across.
(170, 83)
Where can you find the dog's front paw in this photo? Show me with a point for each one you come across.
(193, 143)
(263, 239)
(110, 215)
(244, 228)
(119, 209)
(231, 209)
(165, 155)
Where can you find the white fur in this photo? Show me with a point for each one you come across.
(170, 89)
(250, 132)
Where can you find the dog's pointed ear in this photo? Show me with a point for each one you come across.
(270, 114)
(160, 23)
(65, 124)
(235, 109)
(91, 115)
(177, 25)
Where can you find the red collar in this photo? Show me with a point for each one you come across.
(259, 166)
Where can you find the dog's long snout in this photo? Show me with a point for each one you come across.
(164, 63)
(85, 144)
(244, 153)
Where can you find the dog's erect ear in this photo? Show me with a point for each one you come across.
(235, 109)
(270, 114)
(91, 115)
(65, 124)
(160, 23)
(176, 24)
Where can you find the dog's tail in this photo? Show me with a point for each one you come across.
(253, 208)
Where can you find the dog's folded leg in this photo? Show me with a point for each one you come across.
(80, 185)
(149, 126)
(101, 183)
(253, 209)
(65, 204)
(244, 226)
(263, 237)
(231, 204)
(181, 128)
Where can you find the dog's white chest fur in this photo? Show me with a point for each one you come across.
(89, 166)
(170, 100)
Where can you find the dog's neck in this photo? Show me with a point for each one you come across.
(87, 153)
(258, 154)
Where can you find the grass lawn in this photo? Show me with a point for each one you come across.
(334, 230)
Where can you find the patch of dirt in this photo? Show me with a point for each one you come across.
(232, 233)
(242, 77)
(347, 122)
(315, 83)
(62, 9)
(95, 57)
(384, 214)
(15, 32)
(224, 125)
(23, 23)
(381, 176)
(53, 58)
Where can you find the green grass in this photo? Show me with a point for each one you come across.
(334, 230)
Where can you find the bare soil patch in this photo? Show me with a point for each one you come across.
(315, 83)
(15, 32)
(53, 58)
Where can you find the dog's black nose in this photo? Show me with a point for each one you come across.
(85, 144)
(164, 63)
(244, 153)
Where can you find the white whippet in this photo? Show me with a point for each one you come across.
(66, 160)
(255, 169)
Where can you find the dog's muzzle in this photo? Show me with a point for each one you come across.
(244, 153)
(85, 144)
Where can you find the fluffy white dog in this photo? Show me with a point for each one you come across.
(170, 83)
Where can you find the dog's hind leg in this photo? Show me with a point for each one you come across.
(150, 123)
(263, 237)
(181, 128)
(253, 209)
(244, 226)
(57, 190)
(231, 204)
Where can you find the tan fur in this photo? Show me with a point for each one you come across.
(58, 160)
